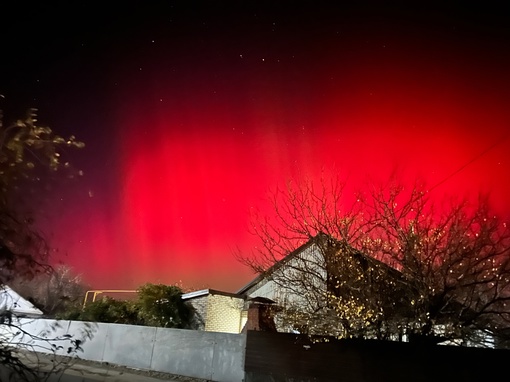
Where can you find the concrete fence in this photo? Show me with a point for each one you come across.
(258, 356)
(199, 354)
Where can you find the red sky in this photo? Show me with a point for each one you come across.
(202, 116)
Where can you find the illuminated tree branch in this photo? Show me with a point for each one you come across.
(391, 264)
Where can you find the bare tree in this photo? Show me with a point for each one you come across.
(54, 291)
(29, 154)
(387, 263)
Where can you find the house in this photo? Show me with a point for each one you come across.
(250, 307)
(326, 287)
(300, 280)
(217, 311)
(273, 284)
(12, 304)
(307, 286)
(234, 312)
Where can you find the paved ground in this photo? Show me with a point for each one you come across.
(66, 370)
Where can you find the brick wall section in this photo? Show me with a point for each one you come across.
(252, 319)
(223, 314)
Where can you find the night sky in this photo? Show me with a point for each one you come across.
(193, 111)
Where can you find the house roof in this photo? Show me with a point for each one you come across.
(261, 300)
(280, 264)
(206, 292)
(12, 302)
(320, 236)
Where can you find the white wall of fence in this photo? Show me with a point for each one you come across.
(206, 355)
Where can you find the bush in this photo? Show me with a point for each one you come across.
(162, 305)
(157, 305)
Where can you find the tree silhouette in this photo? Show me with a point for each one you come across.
(391, 264)
(29, 153)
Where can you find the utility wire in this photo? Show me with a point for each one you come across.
(461, 168)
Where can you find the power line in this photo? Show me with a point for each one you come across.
(491, 147)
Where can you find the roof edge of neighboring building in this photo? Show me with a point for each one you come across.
(313, 240)
(20, 305)
(205, 292)
(280, 263)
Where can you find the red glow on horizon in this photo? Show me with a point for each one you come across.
(187, 196)
(197, 155)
